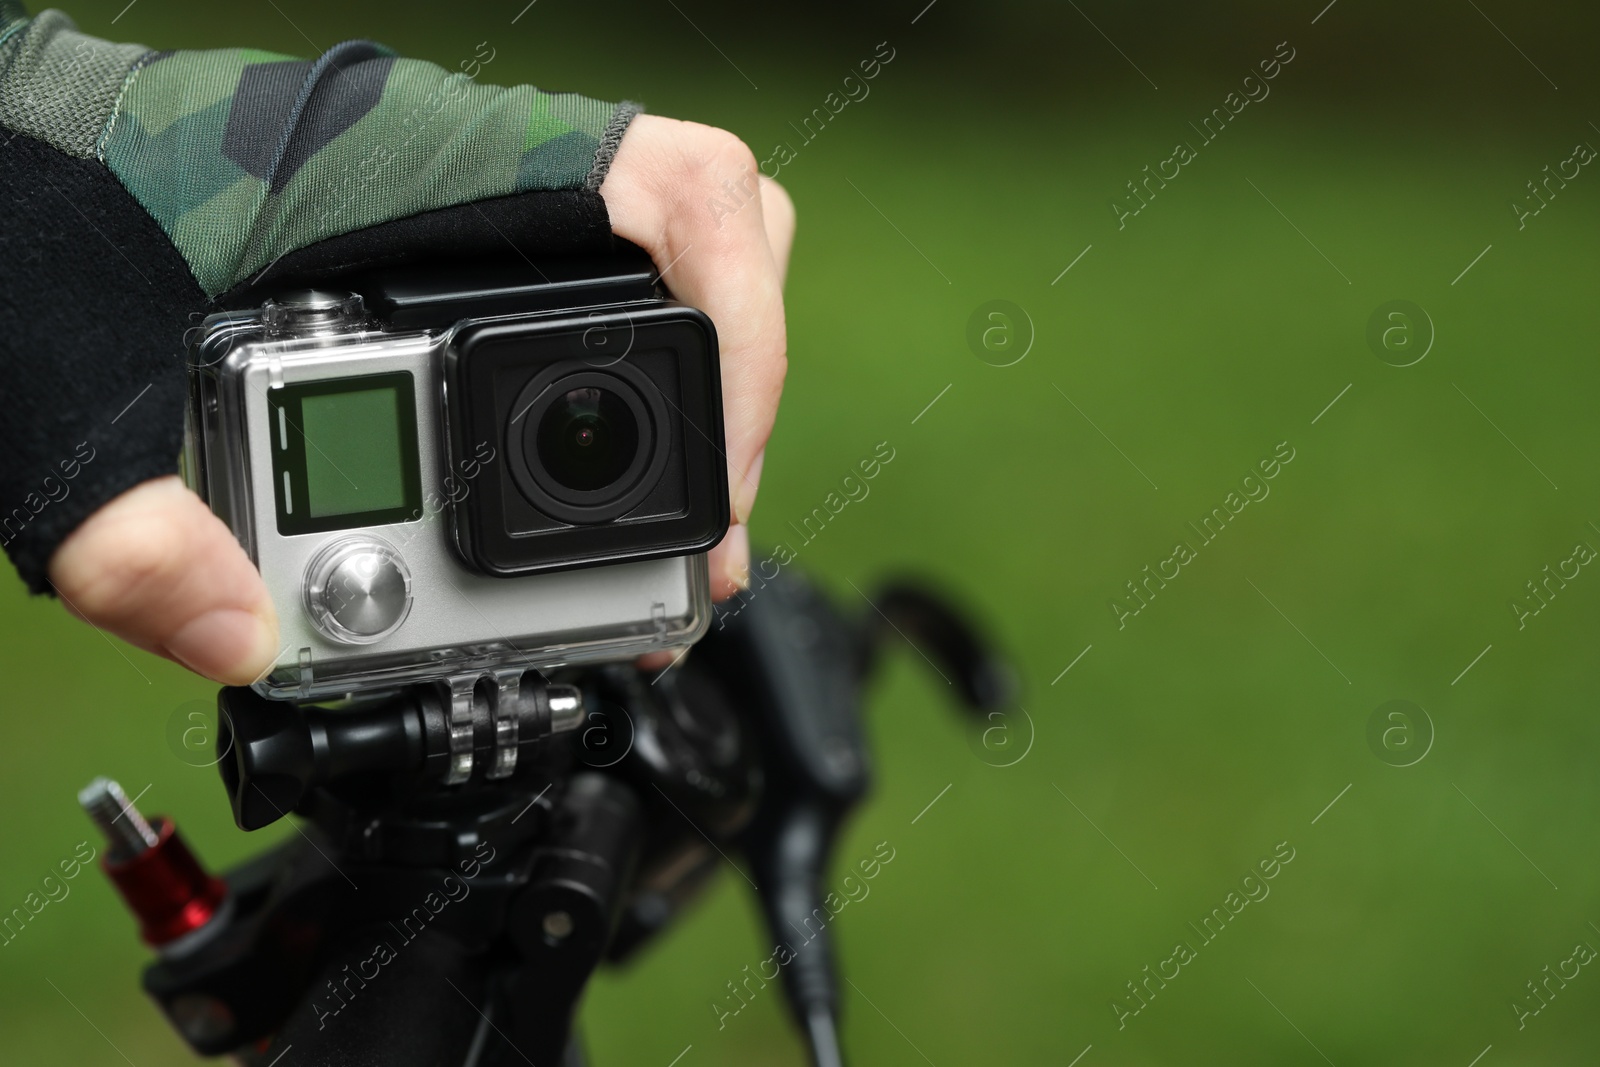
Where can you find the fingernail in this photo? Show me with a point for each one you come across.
(744, 497)
(228, 645)
(736, 557)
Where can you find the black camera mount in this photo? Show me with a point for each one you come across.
(426, 916)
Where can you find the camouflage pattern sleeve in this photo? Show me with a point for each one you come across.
(144, 189)
(241, 156)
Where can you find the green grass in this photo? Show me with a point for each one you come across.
(1200, 736)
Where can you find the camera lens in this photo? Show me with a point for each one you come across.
(587, 439)
(587, 446)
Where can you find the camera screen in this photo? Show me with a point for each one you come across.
(345, 453)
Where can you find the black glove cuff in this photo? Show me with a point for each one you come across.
(93, 303)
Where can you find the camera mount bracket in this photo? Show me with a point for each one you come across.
(469, 725)
(501, 698)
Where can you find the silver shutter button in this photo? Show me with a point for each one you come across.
(358, 590)
(305, 312)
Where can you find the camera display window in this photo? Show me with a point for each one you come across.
(344, 453)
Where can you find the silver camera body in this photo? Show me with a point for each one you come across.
(360, 447)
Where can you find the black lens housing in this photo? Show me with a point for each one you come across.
(657, 361)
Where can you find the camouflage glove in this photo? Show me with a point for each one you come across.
(147, 189)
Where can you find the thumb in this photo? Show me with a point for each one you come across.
(158, 569)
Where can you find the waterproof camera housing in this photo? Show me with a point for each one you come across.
(465, 471)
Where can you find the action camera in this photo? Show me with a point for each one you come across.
(458, 471)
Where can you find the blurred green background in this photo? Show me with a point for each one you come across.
(1179, 751)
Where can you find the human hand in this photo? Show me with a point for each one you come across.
(661, 194)
(157, 568)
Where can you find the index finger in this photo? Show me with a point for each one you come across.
(663, 192)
